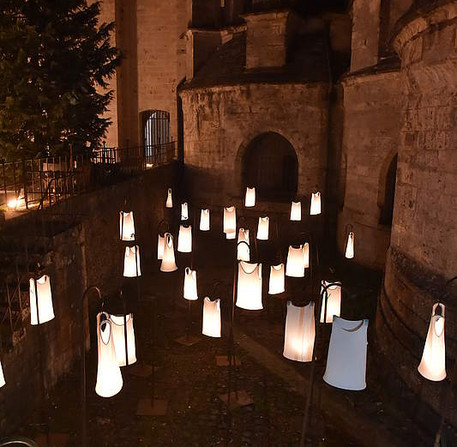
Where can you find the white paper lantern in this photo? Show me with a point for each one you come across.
(349, 253)
(169, 202)
(185, 239)
(249, 290)
(315, 207)
(190, 284)
(433, 362)
(243, 246)
(168, 261)
(126, 226)
(295, 211)
(211, 318)
(263, 228)
(117, 328)
(299, 333)
(231, 235)
(204, 220)
(132, 266)
(249, 200)
(277, 280)
(2, 376)
(333, 301)
(109, 377)
(184, 211)
(230, 221)
(296, 261)
(40, 291)
(160, 246)
(306, 255)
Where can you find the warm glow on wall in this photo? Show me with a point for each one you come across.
(249, 291)
(211, 318)
(249, 200)
(185, 239)
(168, 262)
(126, 226)
(184, 211)
(295, 264)
(263, 228)
(117, 328)
(160, 246)
(333, 301)
(277, 279)
(204, 220)
(132, 266)
(243, 246)
(190, 284)
(295, 211)
(230, 221)
(315, 207)
(169, 202)
(40, 291)
(349, 252)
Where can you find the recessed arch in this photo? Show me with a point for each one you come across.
(155, 129)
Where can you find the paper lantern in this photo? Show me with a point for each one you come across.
(168, 261)
(315, 207)
(109, 377)
(249, 200)
(190, 284)
(118, 330)
(242, 249)
(295, 211)
(184, 211)
(263, 228)
(132, 267)
(347, 355)
(185, 239)
(40, 292)
(204, 220)
(249, 290)
(349, 253)
(230, 220)
(295, 264)
(299, 333)
(211, 318)
(169, 202)
(231, 235)
(2, 377)
(333, 301)
(433, 363)
(277, 280)
(126, 226)
(160, 246)
(306, 255)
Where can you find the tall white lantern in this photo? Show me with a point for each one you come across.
(295, 264)
(349, 252)
(2, 376)
(168, 261)
(243, 247)
(204, 220)
(160, 246)
(249, 200)
(230, 221)
(132, 267)
(306, 254)
(117, 327)
(211, 318)
(169, 202)
(185, 239)
(249, 290)
(126, 226)
(295, 211)
(109, 377)
(299, 333)
(315, 207)
(433, 362)
(263, 228)
(184, 211)
(277, 280)
(40, 292)
(190, 284)
(333, 302)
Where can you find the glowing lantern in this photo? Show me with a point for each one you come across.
(300, 332)
(184, 211)
(243, 250)
(315, 207)
(168, 261)
(190, 284)
(296, 261)
(40, 293)
(109, 377)
(185, 239)
(211, 318)
(349, 253)
(277, 279)
(249, 200)
(117, 327)
(204, 220)
(263, 228)
(160, 246)
(249, 293)
(230, 221)
(295, 211)
(126, 226)
(169, 202)
(433, 363)
(306, 254)
(333, 302)
(231, 235)
(132, 266)
(2, 377)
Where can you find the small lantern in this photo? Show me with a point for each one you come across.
(249, 291)
(249, 200)
(190, 284)
(295, 264)
(306, 255)
(315, 207)
(169, 202)
(204, 220)
(132, 267)
(277, 280)
(109, 377)
(2, 377)
(433, 363)
(168, 262)
(184, 211)
(40, 292)
(160, 246)
(231, 235)
(126, 226)
(230, 221)
(333, 302)
(263, 228)
(295, 211)
(299, 333)
(243, 250)
(211, 318)
(118, 330)
(185, 239)
(349, 253)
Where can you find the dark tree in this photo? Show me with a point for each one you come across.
(55, 62)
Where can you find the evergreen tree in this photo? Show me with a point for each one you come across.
(55, 62)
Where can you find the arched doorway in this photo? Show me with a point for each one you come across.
(270, 164)
(156, 129)
(387, 207)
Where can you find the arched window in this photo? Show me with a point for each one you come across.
(156, 129)
(270, 164)
(387, 207)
